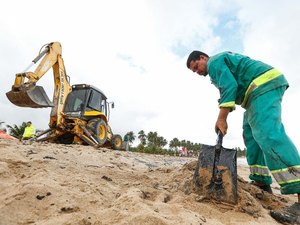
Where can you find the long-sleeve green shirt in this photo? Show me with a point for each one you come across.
(232, 74)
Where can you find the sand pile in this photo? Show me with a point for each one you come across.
(50, 184)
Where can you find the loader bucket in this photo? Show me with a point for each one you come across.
(216, 173)
(34, 97)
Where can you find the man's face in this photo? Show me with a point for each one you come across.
(199, 66)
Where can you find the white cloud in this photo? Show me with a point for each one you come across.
(126, 48)
(273, 37)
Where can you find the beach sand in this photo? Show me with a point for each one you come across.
(52, 184)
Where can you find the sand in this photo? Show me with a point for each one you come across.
(51, 184)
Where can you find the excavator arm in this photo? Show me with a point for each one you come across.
(25, 92)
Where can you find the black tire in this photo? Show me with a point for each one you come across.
(117, 142)
(98, 128)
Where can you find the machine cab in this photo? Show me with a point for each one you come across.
(86, 100)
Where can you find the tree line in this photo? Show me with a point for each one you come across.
(155, 144)
(151, 142)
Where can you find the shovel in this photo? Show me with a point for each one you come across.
(216, 172)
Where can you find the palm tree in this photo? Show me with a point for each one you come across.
(161, 141)
(154, 139)
(17, 131)
(130, 137)
(174, 143)
(183, 143)
(189, 145)
(151, 137)
(142, 137)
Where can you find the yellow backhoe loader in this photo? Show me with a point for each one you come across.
(79, 112)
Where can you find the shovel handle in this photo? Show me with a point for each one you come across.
(219, 140)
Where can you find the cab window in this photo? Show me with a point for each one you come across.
(95, 101)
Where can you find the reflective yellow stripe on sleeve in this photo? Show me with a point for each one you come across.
(227, 105)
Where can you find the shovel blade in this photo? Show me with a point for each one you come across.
(217, 178)
(34, 97)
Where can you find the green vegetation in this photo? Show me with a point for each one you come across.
(148, 143)
(17, 131)
(154, 144)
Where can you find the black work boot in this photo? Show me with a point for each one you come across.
(290, 214)
(264, 187)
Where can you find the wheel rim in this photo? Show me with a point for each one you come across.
(102, 132)
(118, 142)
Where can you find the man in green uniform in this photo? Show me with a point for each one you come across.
(259, 89)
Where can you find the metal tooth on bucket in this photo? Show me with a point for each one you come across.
(34, 97)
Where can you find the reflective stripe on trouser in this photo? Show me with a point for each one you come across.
(287, 175)
(259, 170)
(268, 145)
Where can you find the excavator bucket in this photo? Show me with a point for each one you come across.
(34, 97)
(216, 173)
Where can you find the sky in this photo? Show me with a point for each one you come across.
(135, 51)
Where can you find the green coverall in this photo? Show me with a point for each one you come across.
(259, 88)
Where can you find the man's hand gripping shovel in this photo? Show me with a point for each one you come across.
(216, 172)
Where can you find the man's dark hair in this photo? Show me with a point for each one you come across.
(195, 55)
